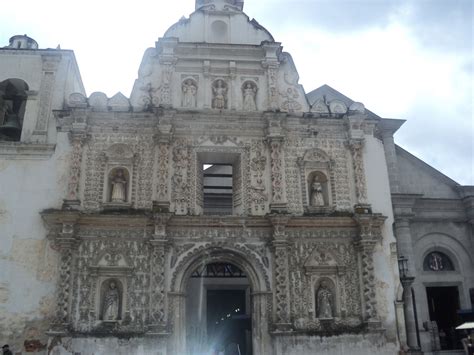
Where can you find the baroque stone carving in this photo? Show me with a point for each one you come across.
(189, 92)
(179, 180)
(111, 301)
(356, 147)
(290, 100)
(249, 92)
(118, 188)
(77, 139)
(259, 195)
(219, 94)
(324, 301)
(317, 197)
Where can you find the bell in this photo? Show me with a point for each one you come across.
(11, 129)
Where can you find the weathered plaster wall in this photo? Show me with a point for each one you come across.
(27, 261)
(385, 263)
(335, 345)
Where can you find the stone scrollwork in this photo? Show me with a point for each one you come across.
(369, 234)
(78, 138)
(259, 195)
(180, 184)
(356, 147)
(281, 273)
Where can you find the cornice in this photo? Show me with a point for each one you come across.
(26, 151)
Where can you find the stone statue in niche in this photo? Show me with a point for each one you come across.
(189, 93)
(324, 299)
(317, 195)
(219, 95)
(118, 184)
(111, 303)
(249, 93)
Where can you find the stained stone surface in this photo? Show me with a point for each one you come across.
(66, 233)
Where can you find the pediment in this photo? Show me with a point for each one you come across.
(316, 155)
(119, 102)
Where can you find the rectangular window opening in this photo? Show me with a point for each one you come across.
(217, 189)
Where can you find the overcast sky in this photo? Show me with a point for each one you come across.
(407, 59)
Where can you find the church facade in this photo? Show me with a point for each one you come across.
(219, 209)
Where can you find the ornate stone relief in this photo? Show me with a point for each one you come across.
(189, 90)
(370, 233)
(219, 94)
(249, 96)
(180, 182)
(356, 147)
(290, 100)
(259, 196)
(317, 181)
(335, 264)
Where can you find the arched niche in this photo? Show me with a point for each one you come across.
(325, 298)
(317, 167)
(249, 96)
(111, 266)
(111, 300)
(189, 89)
(119, 167)
(318, 190)
(13, 98)
(325, 266)
(219, 32)
(220, 94)
(118, 181)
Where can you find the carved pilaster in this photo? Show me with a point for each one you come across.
(272, 64)
(77, 138)
(66, 242)
(167, 61)
(356, 147)
(50, 67)
(163, 139)
(275, 142)
(158, 267)
(281, 272)
(370, 233)
(180, 184)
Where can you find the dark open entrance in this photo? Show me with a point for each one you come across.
(228, 326)
(218, 311)
(443, 304)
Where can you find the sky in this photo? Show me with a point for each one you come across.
(404, 59)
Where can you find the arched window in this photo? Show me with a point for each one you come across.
(437, 261)
(12, 108)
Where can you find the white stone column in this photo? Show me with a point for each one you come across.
(405, 248)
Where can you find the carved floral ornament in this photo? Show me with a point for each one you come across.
(326, 272)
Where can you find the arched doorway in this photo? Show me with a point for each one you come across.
(210, 282)
(218, 310)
